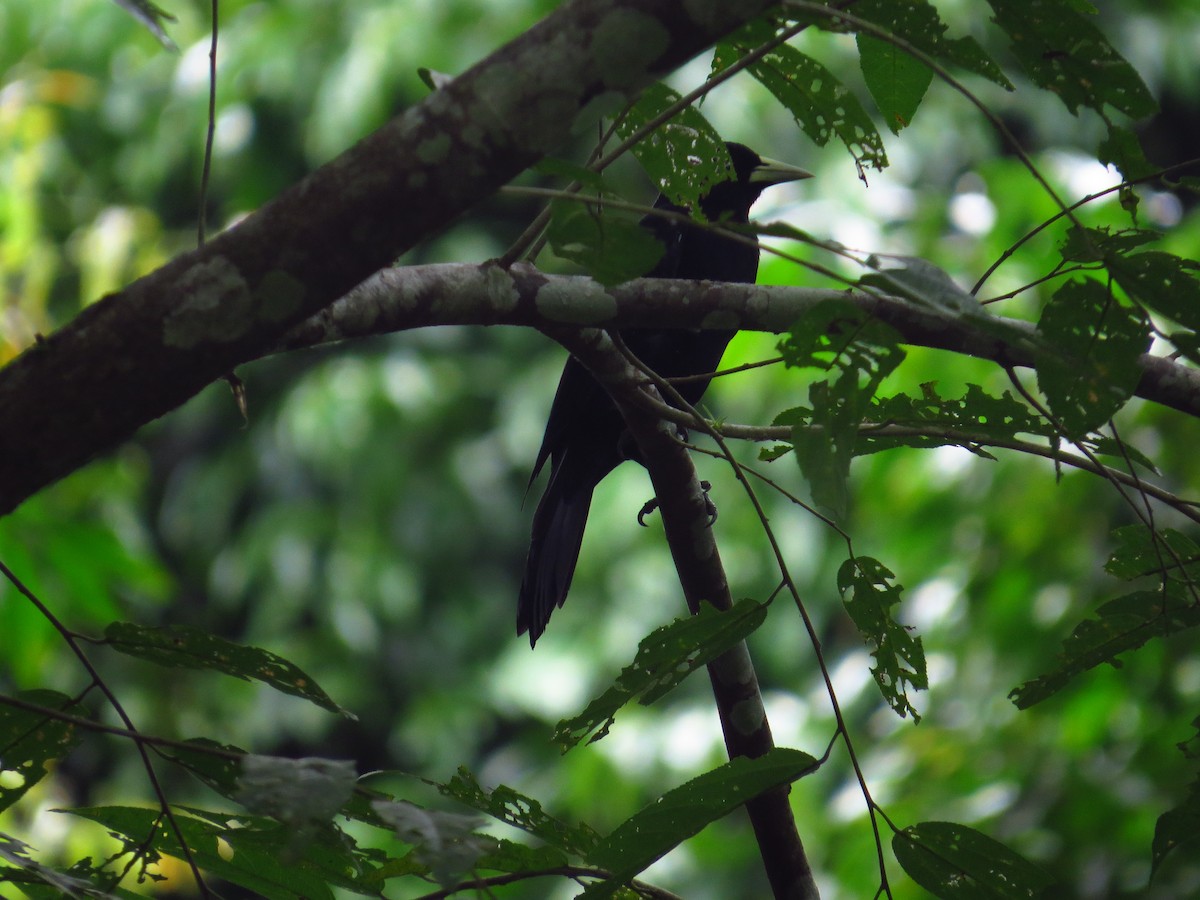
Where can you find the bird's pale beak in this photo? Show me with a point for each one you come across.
(771, 171)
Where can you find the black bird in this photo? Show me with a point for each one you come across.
(585, 435)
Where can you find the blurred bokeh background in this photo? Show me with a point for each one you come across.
(367, 523)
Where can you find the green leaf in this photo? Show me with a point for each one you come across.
(184, 647)
(1177, 827)
(977, 414)
(1161, 282)
(922, 283)
(835, 335)
(520, 811)
(918, 23)
(36, 880)
(680, 813)
(1121, 148)
(895, 79)
(953, 861)
(869, 593)
(29, 741)
(664, 658)
(254, 853)
(821, 105)
(1167, 553)
(1067, 55)
(612, 247)
(1123, 624)
(685, 156)
(1091, 367)
(1089, 245)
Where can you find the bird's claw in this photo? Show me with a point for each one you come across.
(709, 507)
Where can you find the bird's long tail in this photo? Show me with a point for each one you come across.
(558, 526)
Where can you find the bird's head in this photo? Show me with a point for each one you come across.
(752, 174)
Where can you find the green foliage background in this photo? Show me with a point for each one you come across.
(366, 522)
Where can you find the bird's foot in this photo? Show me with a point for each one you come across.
(709, 507)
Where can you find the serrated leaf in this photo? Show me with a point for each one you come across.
(685, 156)
(611, 246)
(821, 105)
(955, 862)
(29, 741)
(184, 647)
(520, 811)
(680, 813)
(1067, 55)
(869, 593)
(1123, 624)
(664, 658)
(1092, 368)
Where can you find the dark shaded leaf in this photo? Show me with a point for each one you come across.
(677, 815)
(1177, 827)
(664, 658)
(1067, 55)
(895, 79)
(30, 740)
(1165, 553)
(1122, 624)
(869, 593)
(612, 246)
(152, 16)
(955, 862)
(246, 850)
(184, 647)
(516, 809)
(917, 22)
(685, 156)
(1091, 368)
(818, 101)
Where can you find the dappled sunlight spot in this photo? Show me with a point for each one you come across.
(952, 462)
(292, 562)
(850, 676)
(941, 669)
(407, 382)
(973, 212)
(235, 128)
(1051, 603)
(1084, 175)
(550, 684)
(1186, 673)
(634, 745)
(790, 718)
(11, 779)
(690, 738)
(934, 603)
(990, 800)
